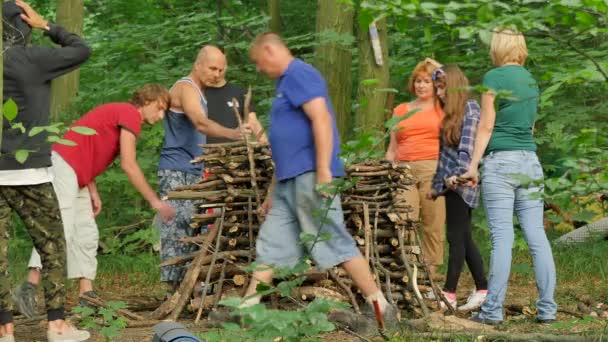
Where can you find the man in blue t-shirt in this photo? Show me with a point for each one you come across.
(305, 147)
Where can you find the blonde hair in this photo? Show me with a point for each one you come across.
(508, 46)
(423, 68)
(266, 38)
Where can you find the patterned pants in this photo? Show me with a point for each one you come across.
(172, 232)
(38, 208)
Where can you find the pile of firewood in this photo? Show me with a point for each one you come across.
(228, 198)
(238, 182)
(378, 218)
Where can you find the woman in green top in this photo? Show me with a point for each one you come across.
(504, 140)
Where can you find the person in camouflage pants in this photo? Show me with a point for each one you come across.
(37, 206)
(171, 232)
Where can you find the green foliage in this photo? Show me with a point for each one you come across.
(54, 131)
(10, 110)
(105, 320)
(303, 324)
(579, 174)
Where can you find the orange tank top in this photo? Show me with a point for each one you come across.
(418, 135)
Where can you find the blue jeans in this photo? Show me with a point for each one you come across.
(502, 192)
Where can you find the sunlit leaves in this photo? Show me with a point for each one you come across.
(83, 130)
(9, 110)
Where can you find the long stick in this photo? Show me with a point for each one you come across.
(122, 312)
(346, 289)
(177, 302)
(254, 183)
(208, 277)
(438, 294)
(425, 309)
(220, 286)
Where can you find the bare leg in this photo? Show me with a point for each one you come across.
(85, 285)
(7, 329)
(33, 276)
(358, 269)
(264, 276)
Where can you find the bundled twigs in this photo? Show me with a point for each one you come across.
(376, 215)
(390, 244)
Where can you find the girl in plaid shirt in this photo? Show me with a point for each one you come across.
(457, 142)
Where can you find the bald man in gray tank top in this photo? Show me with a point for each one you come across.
(186, 127)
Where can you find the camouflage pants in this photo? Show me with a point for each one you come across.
(38, 208)
(171, 232)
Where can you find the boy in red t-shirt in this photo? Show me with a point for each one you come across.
(117, 126)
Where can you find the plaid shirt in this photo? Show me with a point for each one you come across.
(455, 162)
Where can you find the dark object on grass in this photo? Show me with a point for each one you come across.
(173, 332)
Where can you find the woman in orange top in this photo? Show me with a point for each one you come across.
(416, 144)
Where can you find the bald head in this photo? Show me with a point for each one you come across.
(210, 53)
(270, 54)
(210, 66)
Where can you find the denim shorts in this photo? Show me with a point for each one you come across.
(298, 209)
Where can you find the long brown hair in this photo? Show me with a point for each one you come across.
(456, 96)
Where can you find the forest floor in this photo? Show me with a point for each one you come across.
(582, 277)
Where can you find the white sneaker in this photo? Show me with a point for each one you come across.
(71, 335)
(453, 302)
(474, 301)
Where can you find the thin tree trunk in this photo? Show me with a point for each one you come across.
(372, 79)
(274, 11)
(70, 15)
(334, 58)
(1, 88)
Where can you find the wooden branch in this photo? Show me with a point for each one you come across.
(205, 260)
(181, 296)
(312, 292)
(410, 274)
(208, 278)
(122, 312)
(254, 182)
(353, 300)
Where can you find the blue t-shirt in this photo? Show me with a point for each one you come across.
(182, 140)
(291, 136)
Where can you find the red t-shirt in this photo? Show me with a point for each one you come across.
(94, 153)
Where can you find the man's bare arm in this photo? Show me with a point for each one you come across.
(191, 105)
(317, 112)
(128, 162)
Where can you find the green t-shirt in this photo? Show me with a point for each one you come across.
(515, 110)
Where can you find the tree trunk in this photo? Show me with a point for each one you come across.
(275, 16)
(372, 79)
(70, 15)
(1, 88)
(334, 58)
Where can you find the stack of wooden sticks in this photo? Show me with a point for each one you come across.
(238, 182)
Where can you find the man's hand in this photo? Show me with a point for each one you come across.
(95, 203)
(432, 195)
(324, 177)
(166, 211)
(257, 128)
(32, 17)
(265, 208)
(238, 134)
